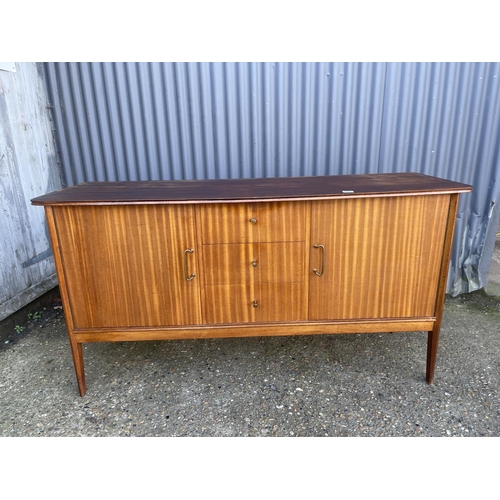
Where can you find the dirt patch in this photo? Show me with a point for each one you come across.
(478, 300)
(40, 314)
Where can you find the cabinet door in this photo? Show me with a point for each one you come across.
(125, 265)
(382, 256)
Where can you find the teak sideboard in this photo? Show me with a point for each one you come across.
(150, 260)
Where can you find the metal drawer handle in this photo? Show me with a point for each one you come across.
(190, 250)
(253, 220)
(322, 260)
(255, 303)
(254, 263)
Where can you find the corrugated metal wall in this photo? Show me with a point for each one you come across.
(28, 168)
(130, 121)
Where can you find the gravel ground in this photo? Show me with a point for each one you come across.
(331, 385)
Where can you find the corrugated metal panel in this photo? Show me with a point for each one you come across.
(133, 121)
(130, 121)
(27, 169)
(444, 120)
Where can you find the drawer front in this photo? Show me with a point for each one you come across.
(230, 264)
(283, 262)
(264, 302)
(242, 263)
(252, 222)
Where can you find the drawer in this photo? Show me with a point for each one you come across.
(264, 302)
(243, 263)
(252, 222)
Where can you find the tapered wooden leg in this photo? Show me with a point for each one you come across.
(77, 352)
(433, 336)
(432, 346)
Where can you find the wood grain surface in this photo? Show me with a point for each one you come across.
(252, 222)
(382, 256)
(255, 329)
(238, 190)
(240, 263)
(124, 265)
(274, 302)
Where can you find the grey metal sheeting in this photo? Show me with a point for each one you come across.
(141, 121)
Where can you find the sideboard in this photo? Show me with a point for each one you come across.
(151, 260)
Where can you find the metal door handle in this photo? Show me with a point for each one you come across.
(322, 260)
(190, 250)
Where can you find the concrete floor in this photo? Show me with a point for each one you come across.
(331, 385)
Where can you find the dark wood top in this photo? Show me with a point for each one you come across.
(237, 190)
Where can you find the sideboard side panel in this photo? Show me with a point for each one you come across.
(76, 346)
